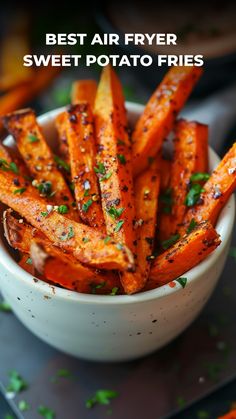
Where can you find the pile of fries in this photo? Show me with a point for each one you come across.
(110, 214)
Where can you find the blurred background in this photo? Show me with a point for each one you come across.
(203, 359)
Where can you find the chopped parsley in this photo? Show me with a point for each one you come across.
(62, 163)
(16, 382)
(115, 212)
(165, 244)
(232, 252)
(180, 402)
(19, 191)
(150, 160)
(105, 177)
(120, 142)
(32, 138)
(86, 205)
(118, 226)
(4, 306)
(45, 412)
(95, 287)
(122, 158)
(63, 209)
(29, 261)
(100, 169)
(85, 239)
(8, 416)
(44, 213)
(182, 281)
(61, 373)
(69, 235)
(107, 239)
(203, 414)
(9, 167)
(114, 291)
(86, 193)
(102, 397)
(45, 188)
(23, 406)
(199, 177)
(167, 201)
(193, 194)
(191, 226)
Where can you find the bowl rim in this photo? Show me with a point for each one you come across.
(226, 222)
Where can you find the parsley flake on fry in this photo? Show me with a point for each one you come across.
(32, 138)
(165, 244)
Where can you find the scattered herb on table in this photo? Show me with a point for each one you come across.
(4, 306)
(23, 406)
(16, 382)
(180, 402)
(232, 252)
(102, 397)
(203, 414)
(182, 281)
(45, 412)
(8, 416)
(165, 244)
(61, 373)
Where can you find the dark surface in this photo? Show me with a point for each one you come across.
(195, 364)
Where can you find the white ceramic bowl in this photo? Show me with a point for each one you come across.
(112, 328)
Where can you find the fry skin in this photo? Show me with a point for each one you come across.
(184, 255)
(218, 189)
(158, 117)
(86, 244)
(38, 157)
(62, 269)
(114, 167)
(190, 156)
(84, 91)
(230, 415)
(147, 186)
(55, 265)
(82, 152)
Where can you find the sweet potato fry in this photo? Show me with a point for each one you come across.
(190, 157)
(39, 159)
(114, 167)
(84, 91)
(184, 255)
(217, 191)
(23, 93)
(230, 415)
(158, 117)
(86, 244)
(80, 137)
(147, 186)
(62, 269)
(67, 269)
